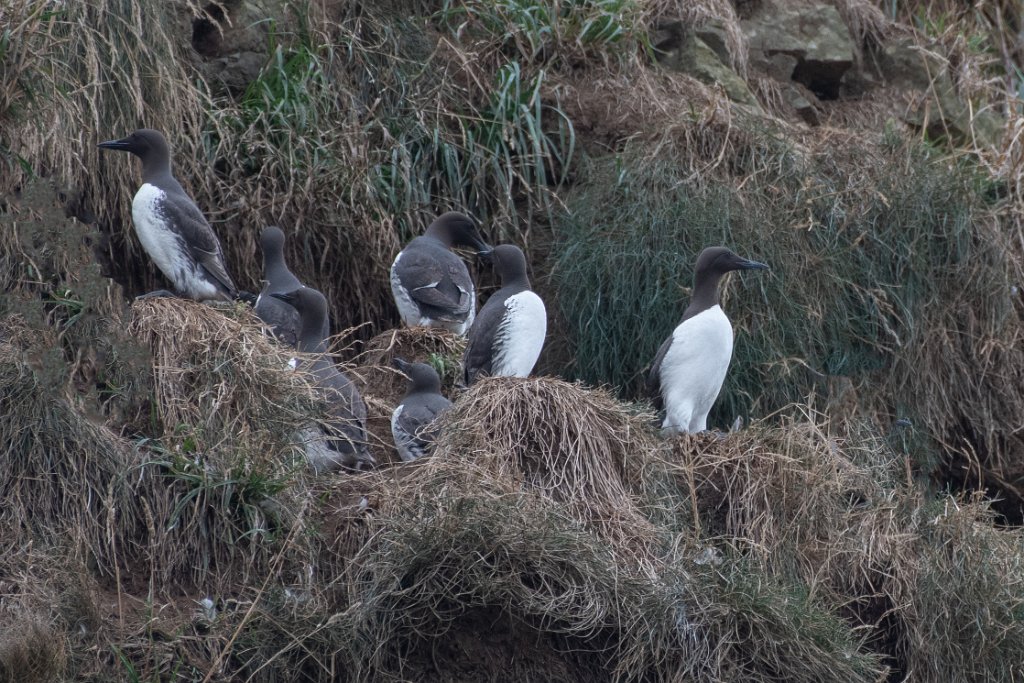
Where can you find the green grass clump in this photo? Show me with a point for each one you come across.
(545, 30)
(889, 270)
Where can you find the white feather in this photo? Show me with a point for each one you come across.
(164, 246)
(520, 335)
(694, 368)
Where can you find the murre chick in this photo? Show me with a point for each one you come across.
(347, 423)
(430, 283)
(508, 334)
(411, 422)
(171, 228)
(284, 321)
(691, 364)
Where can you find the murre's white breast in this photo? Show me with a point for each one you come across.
(166, 247)
(694, 368)
(520, 335)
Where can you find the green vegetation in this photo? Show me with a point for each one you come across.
(158, 521)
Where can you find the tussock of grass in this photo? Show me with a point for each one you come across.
(221, 493)
(30, 652)
(533, 503)
(208, 367)
(841, 518)
(570, 444)
(64, 470)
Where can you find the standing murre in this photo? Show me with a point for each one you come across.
(283, 319)
(411, 420)
(347, 422)
(430, 283)
(171, 228)
(508, 335)
(691, 364)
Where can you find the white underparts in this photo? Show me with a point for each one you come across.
(166, 247)
(694, 369)
(520, 335)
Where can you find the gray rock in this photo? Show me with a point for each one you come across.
(680, 49)
(231, 39)
(812, 33)
(942, 111)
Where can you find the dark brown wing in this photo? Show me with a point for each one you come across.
(654, 377)
(205, 248)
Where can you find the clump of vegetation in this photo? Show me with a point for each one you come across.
(161, 523)
(853, 292)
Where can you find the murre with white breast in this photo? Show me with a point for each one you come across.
(283, 319)
(347, 424)
(691, 364)
(508, 334)
(171, 228)
(430, 283)
(412, 420)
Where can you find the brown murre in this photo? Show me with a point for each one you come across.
(508, 334)
(412, 420)
(282, 318)
(691, 364)
(347, 424)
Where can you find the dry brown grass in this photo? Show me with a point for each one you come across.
(31, 651)
(568, 444)
(800, 549)
(65, 470)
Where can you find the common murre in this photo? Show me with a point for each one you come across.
(508, 334)
(283, 319)
(171, 228)
(691, 364)
(411, 421)
(347, 424)
(430, 283)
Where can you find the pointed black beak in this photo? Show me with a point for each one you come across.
(121, 145)
(481, 246)
(487, 255)
(401, 364)
(745, 264)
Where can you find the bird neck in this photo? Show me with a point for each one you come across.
(274, 266)
(441, 234)
(156, 167)
(311, 337)
(705, 292)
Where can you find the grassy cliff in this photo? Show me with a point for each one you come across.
(865, 525)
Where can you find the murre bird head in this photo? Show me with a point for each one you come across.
(457, 229)
(509, 263)
(275, 270)
(312, 308)
(272, 241)
(712, 264)
(422, 377)
(145, 143)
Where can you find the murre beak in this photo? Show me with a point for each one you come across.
(745, 264)
(401, 364)
(482, 246)
(487, 255)
(121, 145)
